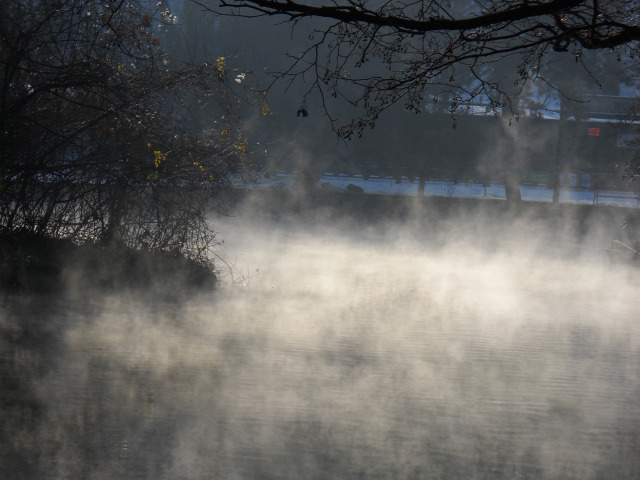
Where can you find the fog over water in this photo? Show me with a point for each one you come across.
(351, 350)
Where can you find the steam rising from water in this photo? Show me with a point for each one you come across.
(368, 355)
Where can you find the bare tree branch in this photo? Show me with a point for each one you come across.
(376, 53)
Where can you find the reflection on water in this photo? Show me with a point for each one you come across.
(336, 360)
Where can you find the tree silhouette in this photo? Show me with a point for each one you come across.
(96, 142)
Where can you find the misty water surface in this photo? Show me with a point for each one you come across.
(369, 355)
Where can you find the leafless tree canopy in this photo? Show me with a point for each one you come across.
(440, 49)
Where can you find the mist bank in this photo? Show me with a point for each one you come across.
(35, 264)
(563, 229)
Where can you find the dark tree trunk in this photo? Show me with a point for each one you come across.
(421, 185)
(511, 166)
(512, 187)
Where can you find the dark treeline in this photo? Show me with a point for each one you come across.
(476, 148)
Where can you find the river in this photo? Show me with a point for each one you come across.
(372, 354)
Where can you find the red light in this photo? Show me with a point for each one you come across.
(595, 132)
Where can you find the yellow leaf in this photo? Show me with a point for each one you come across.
(220, 65)
(159, 158)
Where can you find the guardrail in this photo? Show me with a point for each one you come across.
(597, 195)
